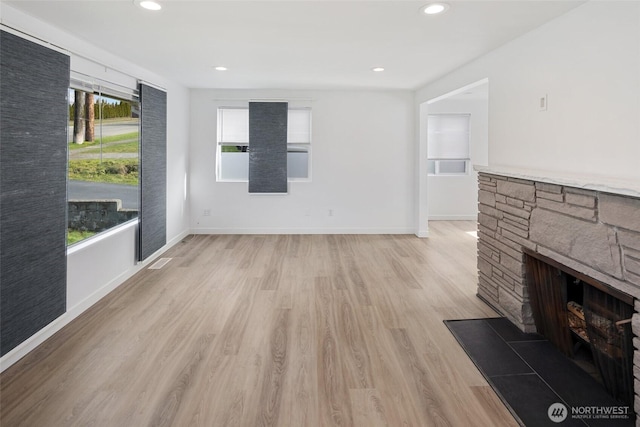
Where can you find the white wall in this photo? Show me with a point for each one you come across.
(362, 167)
(456, 197)
(588, 63)
(95, 269)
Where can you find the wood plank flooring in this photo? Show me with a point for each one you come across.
(271, 330)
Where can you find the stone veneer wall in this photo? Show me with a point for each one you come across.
(592, 232)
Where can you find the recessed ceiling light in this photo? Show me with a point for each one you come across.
(434, 8)
(377, 69)
(221, 68)
(149, 4)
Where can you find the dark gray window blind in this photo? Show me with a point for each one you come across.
(153, 171)
(268, 147)
(33, 187)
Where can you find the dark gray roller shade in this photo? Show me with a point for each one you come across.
(33, 187)
(153, 171)
(268, 147)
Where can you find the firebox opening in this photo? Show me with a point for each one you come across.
(585, 319)
(581, 348)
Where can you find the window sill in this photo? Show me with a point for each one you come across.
(77, 247)
(246, 181)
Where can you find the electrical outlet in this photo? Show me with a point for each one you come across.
(330, 212)
(543, 103)
(207, 212)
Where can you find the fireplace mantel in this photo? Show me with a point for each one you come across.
(586, 182)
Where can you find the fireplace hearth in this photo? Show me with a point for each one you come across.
(590, 233)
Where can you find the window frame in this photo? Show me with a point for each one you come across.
(306, 146)
(103, 89)
(434, 163)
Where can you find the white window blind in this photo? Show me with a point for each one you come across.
(94, 85)
(299, 126)
(234, 125)
(448, 136)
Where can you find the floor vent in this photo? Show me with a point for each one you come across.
(159, 264)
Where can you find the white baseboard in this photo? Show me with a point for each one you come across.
(327, 230)
(453, 218)
(165, 248)
(48, 331)
(33, 341)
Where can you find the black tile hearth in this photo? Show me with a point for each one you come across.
(489, 349)
(567, 379)
(529, 398)
(510, 332)
(530, 375)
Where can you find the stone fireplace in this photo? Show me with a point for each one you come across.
(591, 228)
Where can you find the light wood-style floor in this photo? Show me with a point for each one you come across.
(292, 330)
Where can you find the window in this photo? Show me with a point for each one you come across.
(103, 140)
(448, 144)
(233, 144)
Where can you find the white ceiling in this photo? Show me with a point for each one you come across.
(297, 43)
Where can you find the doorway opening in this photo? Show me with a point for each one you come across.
(454, 131)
